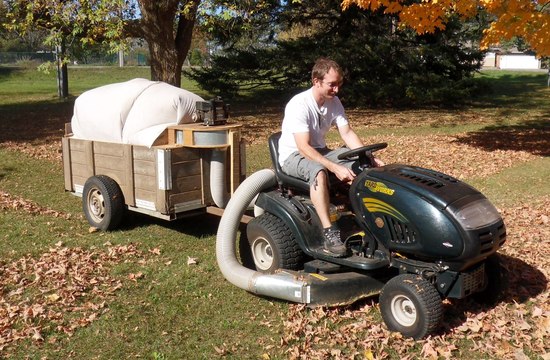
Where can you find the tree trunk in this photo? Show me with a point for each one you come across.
(168, 46)
(62, 72)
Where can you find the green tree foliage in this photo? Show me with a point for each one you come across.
(384, 65)
(167, 25)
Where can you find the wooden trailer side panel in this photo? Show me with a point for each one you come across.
(115, 161)
(78, 161)
(166, 180)
(145, 177)
(187, 179)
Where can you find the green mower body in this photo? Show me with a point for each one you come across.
(415, 235)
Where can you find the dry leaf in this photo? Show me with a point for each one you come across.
(155, 251)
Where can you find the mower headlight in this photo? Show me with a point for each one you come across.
(477, 214)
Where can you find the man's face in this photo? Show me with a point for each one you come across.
(328, 87)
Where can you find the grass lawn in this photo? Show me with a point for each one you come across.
(153, 289)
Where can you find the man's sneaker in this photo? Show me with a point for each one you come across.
(333, 244)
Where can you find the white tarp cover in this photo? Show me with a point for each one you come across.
(133, 112)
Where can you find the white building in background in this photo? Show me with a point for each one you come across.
(511, 61)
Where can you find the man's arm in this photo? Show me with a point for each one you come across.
(310, 153)
(350, 138)
(353, 141)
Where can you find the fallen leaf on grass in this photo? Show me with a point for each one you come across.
(155, 251)
(136, 276)
(82, 284)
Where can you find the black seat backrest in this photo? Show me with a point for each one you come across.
(284, 180)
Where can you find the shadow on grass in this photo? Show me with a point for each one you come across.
(513, 90)
(525, 282)
(265, 101)
(6, 72)
(34, 121)
(203, 225)
(532, 136)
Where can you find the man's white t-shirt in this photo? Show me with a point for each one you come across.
(302, 114)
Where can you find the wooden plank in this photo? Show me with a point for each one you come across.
(81, 170)
(146, 195)
(234, 152)
(78, 144)
(245, 219)
(109, 162)
(145, 182)
(78, 157)
(162, 158)
(188, 138)
(184, 197)
(89, 151)
(186, 168)
(67, 171)
(242, 161)
(144, 153)
(68, 129)
(207, 191)
(144, 167)
(128, 169)
(111, 149)
(180, 154)
(79, 180)
(162, 139)
(184, 184)
(117, 175)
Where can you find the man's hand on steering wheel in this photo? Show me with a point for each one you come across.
(364, 155)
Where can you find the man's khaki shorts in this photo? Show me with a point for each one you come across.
(298, 166)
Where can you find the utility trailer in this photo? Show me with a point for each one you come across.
(190, 169)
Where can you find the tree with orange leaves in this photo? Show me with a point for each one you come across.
(528, 19)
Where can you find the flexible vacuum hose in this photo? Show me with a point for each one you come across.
(281, 285)
(220, 195)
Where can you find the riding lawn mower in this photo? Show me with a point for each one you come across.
(414, 237)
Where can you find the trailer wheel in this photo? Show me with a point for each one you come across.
(496, 278)
(273, 245)
(102, 202)
(411, 305)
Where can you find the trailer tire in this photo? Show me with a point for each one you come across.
(411, 305)
(273, 245)
(103, 202)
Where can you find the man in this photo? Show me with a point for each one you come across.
(303, 152)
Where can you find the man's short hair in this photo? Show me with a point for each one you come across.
(322, 67)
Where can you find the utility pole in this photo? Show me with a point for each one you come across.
(121, 58)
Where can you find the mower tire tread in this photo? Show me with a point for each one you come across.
(414, 292)
(287, 252)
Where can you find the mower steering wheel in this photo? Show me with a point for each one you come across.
(363, 154)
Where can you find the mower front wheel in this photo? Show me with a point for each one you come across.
(411, 305)
(272, 245)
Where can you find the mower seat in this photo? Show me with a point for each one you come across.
(284, 180)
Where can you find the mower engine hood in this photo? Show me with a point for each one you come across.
(427, 214)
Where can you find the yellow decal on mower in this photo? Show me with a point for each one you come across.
(380, 187)
(379, 206)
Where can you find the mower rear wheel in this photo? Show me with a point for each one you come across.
(102, 202)
(411, 305)
(272, 244)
